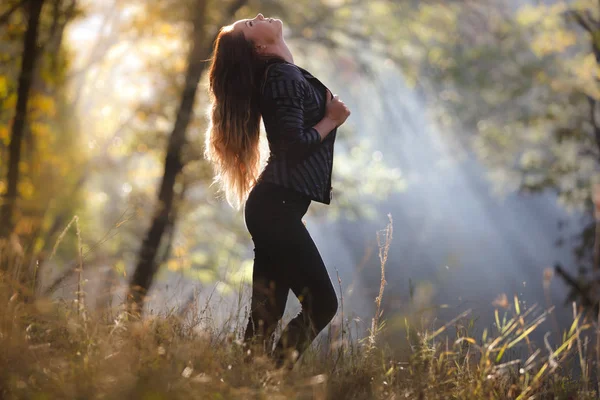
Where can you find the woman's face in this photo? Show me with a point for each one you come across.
(260, 30)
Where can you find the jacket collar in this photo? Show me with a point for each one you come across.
(304, 72)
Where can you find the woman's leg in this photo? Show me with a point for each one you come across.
(307, 276)
(269, 296)
(286, 258)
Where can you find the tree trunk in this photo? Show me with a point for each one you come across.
(54, 44)
(595, 123)
(7, 209)
(147, 267)
(596, 252)
(592, 26)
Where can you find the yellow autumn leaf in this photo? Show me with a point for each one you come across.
(10, 102)
(244, 273)
(584, 73)
(587, 68)
(4, 135)
(553, 42)
(173, 264)
(547, 16)
(120, 268)
(40, 129)
(223, 288)
(529, 15)
(166, 29)
(141, 115)
(3, 86)
(26, 189)
(435, 55)
(203, 275)
(199, 258)
(42, 104)
(179, 251)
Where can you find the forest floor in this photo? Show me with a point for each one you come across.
(59, 349)
(53, 350)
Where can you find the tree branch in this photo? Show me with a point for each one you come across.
(592, 102)
(8, 13)
(581, 20)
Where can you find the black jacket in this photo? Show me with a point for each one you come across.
(291, 103)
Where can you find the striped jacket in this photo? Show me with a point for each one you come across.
(291, 103)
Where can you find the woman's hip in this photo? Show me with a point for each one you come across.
(270, 205)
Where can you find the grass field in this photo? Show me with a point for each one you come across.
(56, 349)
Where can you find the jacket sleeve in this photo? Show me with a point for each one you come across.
(285, 95)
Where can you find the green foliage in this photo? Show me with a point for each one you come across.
(519, 88)
(532, 117)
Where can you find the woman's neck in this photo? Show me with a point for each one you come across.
(282, 50)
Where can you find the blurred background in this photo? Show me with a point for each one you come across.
(474, 124)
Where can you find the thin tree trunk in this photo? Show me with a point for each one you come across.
(54, 42)
(596, 252)
(586, 21)
(147, 266)
(596, 190)
(171, 227)
(52, 46)
(7, 209)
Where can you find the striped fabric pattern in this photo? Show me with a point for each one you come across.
(292, 102)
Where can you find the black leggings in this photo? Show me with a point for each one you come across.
(285, 257)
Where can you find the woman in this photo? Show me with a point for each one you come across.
(253, 76)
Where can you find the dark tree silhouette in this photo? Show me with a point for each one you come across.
(147, 265)
(8, 206)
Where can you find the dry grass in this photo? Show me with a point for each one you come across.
(57, 350)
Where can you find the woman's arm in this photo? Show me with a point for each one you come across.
(286, 95)
(325, 126)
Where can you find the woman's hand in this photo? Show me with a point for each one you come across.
(336, 110)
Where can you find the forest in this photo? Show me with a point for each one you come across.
(463, 235)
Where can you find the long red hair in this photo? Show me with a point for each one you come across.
(232, 138)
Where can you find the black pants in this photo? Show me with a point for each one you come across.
(285, 257)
